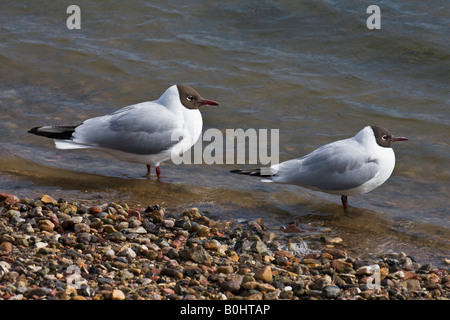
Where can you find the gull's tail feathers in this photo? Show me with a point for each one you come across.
(70, 145)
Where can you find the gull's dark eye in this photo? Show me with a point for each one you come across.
(385, 137)
(190, 98)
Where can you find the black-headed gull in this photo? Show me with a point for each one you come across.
(346, 167)
(148, 132)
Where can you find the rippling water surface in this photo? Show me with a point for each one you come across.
(311, 69)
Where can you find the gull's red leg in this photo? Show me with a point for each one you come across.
(158, 172)
(344, 202)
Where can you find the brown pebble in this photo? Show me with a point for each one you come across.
(178, 241)
(117, 295)
(341, 266)
(46, 199)
(134, 213)
(46, 225)
(109, 228)
(213, 245)
(95, 210)
(410, 275)
(6, 247)
(264, 274)
(192, 213)
(336, 253)
(225, 269)
(168, 291)
(265, 287)
(201, 230)
(8, 199)
(250, 285)
(283, 253)
(233, 256)
(156, 215)
(411, 285)
(326, 255)
(291, 228)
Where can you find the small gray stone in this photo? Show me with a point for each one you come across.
(27, 227)
(134, 223)
(81, 227)
(106, 281)
(331, 292)
(73, 253)
(412, 285)
(196, 254)
(233, 285)
(162, 243)
(259, 247)
(140, 230)
(84, 237)
(115, 236)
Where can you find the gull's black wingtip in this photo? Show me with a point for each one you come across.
(251, 172)
(248, 172)
(33, 130)
(240, 171)
(54, 132)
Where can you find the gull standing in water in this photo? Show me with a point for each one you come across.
(346, 167)
(140, 133)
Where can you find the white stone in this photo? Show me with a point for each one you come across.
(40, 245)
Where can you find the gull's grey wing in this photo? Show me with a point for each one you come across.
(332, 167)
(144, 128)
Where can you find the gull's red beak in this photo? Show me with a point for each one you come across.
(208, 102)
(399, 139)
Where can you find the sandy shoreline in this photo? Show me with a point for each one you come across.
(56, 249)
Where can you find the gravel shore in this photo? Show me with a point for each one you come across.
(53, 249)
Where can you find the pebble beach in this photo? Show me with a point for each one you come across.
(58, 249)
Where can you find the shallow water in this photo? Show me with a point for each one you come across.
(312, 70)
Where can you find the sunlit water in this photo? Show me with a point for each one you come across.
(312, 70)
